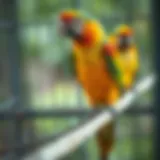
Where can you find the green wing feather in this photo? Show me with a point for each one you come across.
(114, 70)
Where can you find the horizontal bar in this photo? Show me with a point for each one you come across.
(66, 113)
(7, 104)
(66, 144)
(30, 147)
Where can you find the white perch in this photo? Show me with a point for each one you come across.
(68, 143)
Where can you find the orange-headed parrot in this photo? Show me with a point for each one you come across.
(96, 68)
(127, 50)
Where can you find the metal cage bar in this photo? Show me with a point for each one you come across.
(14, 54)
(65, 113)
(156, 31)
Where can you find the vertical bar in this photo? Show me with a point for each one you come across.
(136, 145)
(15, 67)
(156, 38)
(13, 46)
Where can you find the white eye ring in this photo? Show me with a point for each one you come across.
(77, 25)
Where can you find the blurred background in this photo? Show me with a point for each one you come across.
(31, 74)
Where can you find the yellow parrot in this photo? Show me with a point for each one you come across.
(126, 48)
(96, 68)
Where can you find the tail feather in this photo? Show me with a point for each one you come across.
(105, 139)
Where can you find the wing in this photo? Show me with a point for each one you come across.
(109, 53)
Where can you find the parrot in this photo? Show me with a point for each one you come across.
(95, 67)
(123, 39)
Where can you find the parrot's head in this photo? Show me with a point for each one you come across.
(124, 36)
(70, 22)
(83, 30)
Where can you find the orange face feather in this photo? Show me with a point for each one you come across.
(126, 33)
(124, 30)
(92, 34)
(109, 49)
(91, 30)
(68, 16)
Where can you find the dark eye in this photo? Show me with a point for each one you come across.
(125, 40)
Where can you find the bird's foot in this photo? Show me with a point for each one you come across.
(104, 158)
